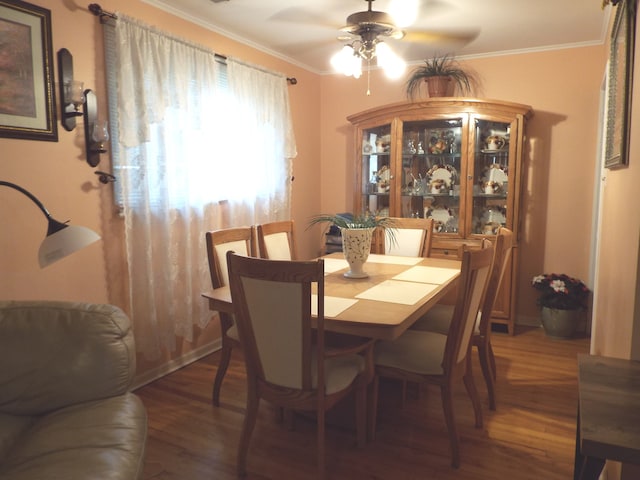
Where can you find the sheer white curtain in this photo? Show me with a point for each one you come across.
(199, 146)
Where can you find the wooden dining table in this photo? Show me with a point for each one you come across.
(397, 292)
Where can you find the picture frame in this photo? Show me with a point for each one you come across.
(619, 85)
(27, 91)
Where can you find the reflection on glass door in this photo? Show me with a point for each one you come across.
(376, 169)
(431, 168)
(491, 172)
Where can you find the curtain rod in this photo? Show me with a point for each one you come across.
(99, 12)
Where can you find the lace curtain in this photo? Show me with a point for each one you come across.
(199, 145)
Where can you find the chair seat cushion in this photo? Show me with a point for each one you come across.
(339, 372)
(233, 332)
(414, 351)
(438, 319)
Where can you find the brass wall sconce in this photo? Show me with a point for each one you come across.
(76, 101)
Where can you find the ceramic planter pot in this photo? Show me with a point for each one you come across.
(356, 245)
(438, 86)
(560, 323)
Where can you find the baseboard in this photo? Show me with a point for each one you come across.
(204, 350)
(176, 364)
(528, 321)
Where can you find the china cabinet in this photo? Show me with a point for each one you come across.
(456, 160)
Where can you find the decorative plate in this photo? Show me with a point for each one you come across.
(439, 214)
(441, 141)
(446, 173)
(496, 173)
(384, 174)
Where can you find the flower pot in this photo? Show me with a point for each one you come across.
(560, 323)
(438, 86)
(356, 245)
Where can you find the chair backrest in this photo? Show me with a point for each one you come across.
(273, 305)
(240, 240)
(474, 275)
(502, 254)
(412, 237)
(276, 240)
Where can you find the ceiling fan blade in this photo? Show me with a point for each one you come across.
(302, 16)
(433, 36)
(326, 15)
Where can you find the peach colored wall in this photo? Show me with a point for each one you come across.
(562, 86)
(617, 316)
(56, 172)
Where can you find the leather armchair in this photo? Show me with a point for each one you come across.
(65, 407)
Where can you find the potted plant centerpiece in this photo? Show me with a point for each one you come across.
(438, 72)
(357, 232)
(562, 298)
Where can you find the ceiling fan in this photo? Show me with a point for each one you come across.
(366, 33)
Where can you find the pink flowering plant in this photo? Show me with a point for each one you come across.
(560, 291)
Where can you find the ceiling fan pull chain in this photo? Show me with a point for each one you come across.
(369, 73)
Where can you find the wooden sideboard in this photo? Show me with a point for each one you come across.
(608, 426)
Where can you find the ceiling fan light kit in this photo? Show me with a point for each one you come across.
(366, 32)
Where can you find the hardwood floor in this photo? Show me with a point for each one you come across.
(531, 435)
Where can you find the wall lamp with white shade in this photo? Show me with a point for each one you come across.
(62, 239)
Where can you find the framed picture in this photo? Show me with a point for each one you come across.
(619, 85)
(27, 93)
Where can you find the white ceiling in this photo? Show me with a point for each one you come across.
(305, 32)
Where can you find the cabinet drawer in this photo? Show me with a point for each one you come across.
(445, 252)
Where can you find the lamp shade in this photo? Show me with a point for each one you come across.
(62, 239)
(64, 242)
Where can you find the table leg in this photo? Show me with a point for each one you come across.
(585, 468)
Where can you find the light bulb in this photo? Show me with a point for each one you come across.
(392, 64)
(404, 12)
(347, 62)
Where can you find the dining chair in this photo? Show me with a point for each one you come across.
(434, 358)
(412, 237)
(276, 240)
(287, 361)
(438, 319)
(242, 241)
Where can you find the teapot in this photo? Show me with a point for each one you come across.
(491, 188)
(495, 142)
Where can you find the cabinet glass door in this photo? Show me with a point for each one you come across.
(431, 169)
(376, 170)
(491, 176)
